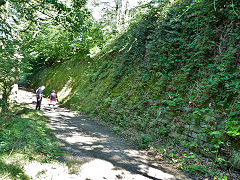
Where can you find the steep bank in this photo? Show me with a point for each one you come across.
(174, 73)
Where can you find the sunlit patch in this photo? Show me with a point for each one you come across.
(132, 152)
(66, 90)
(14, 93)
(75, 136)
(153, 172)
(101, 169)
(157, 173)
(80, 139)
(38, 170)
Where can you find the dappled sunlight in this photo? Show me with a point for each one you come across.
(154, 86)
(96, 148)
(101, 169)
(153, 172)
(25, 97)
(75, 138)
(56, 126)
(133, 153)
(54, 171)
(12, 170)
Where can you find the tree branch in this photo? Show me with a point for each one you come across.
(51, 17)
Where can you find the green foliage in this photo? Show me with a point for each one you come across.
(24, 136)
(53, 44)
(175, 104)
(196, 169)
(174, 73)
(9, 71)
(37, 34)
(15, 171)
(233, 125)
(146, 140)
(26, 132)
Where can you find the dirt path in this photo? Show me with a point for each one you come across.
(98, 152)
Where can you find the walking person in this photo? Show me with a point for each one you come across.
(53, 100)
(39, 95)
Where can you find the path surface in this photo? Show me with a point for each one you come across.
(100, 153)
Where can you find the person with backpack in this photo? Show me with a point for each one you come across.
(39, 95)
(53, 100)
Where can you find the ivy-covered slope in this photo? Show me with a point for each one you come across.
(174, 73)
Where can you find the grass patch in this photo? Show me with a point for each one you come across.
(74, 167)
(24, 132)
(12, 171)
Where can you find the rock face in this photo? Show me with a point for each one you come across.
(165, 77)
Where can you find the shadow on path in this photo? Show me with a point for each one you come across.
(86, 139)
(88, 142)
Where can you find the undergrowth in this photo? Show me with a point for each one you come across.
(24, 137)
(173, 74)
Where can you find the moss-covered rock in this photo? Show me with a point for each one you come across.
(175, 67)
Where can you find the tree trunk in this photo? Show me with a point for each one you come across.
(7, 88)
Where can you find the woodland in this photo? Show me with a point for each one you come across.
(164, 73)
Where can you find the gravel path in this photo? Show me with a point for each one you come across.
(95, 152)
